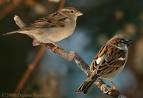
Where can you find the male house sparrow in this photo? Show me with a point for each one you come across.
(109, 61)
(54, 28)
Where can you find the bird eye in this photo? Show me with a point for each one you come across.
(72, 11)
(124, 41)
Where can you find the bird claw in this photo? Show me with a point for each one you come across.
(113, 85)
(55, 46)
(35, 43)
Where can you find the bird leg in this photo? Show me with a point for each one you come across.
(52, 46)
(113, 85)
(35, 43)
(106, 89)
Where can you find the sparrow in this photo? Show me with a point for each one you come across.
(53, 28)
(108, 62)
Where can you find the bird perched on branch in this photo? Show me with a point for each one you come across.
(109, 61)
(53, 28)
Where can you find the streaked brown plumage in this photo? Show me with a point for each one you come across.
(53, 28)
(109, 61)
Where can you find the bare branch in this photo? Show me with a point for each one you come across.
(106, 89)
(62, 2)
(30, 69)
(111, 91)
(69, 56)
(9, 8)
(82, 65)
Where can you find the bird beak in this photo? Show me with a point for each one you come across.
(129, 42)
(79, 13)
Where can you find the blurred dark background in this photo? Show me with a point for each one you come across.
(54, 76)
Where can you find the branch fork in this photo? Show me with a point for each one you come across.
(72, 56)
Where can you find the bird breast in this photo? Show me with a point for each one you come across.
(58, 33)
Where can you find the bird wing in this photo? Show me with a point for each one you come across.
(99, 58)
(53, 20)
(108, 59)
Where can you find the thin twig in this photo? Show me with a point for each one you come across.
(30, 69)
(9, 8)
(62, 3)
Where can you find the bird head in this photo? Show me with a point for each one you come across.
(127, 42)
(121, 40)
(70, 11)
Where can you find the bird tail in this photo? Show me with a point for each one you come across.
(85, 85)
(9, 33)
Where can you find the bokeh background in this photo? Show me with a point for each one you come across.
(55, 77)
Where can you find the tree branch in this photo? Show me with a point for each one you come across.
(30, 69)
(71, 55)
(106, 89)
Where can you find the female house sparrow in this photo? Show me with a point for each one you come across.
(54, 28)
(109, 61)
